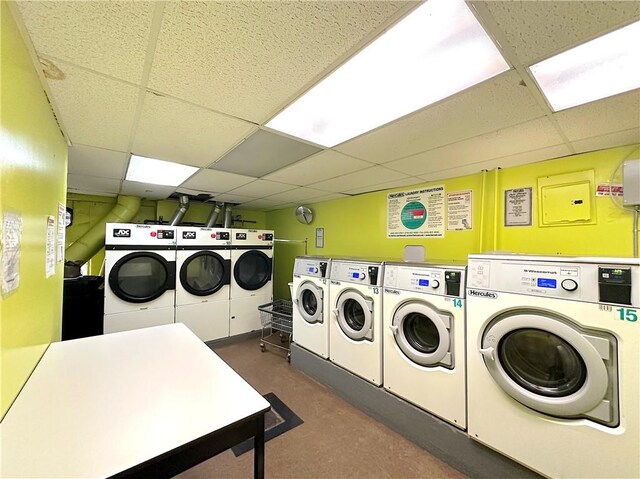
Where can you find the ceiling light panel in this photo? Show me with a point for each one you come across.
(435, 52)
(597, 69)
(158, 172)
(262, 153)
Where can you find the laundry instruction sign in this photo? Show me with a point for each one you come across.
(416, 213)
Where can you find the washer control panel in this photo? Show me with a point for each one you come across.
(313, 267)
(425, 279)
(360, 273)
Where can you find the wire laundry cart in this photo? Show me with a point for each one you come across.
(277, 322)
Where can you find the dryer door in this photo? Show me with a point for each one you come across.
(423, 334)
(252, 270)
(205, 272)
(354, 313)
(309, 302)
(551, 366)
(142, 276)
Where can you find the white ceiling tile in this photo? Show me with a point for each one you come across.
(327, 197)
(619, 138)
(249, 58)
(539, 29)
(95, 110)
(261, 188)
(146, 190)
(556, 151)
(617, 113)
(231, 198)
(529, 136)
(492, 105)
(322, 166)
(369, 176)
(108, 37)
(176, 131)
(262, 204)
(297, 195)
(387, 185)
(86, 160)
(212, 181)
(92, 184)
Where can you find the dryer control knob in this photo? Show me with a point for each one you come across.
(569, 285)
(435, 284)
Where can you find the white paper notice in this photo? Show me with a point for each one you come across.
(460, 210)
(11, 239)
(517, 207)
(416, 213)
(62, 216)
(50, 248)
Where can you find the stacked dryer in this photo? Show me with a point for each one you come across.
(251, 286)
(310, 296)
(424, 332)
(140, 279)
(355, 328)
(203, 265)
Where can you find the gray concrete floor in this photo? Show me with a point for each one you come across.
(335, 441)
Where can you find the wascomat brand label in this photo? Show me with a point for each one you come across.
(188, 235)
(122, 233)
(482, 294)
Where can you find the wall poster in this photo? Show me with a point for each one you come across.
(11, 239)
(460, 210)
(62, 226)
(416, 213)
(50, 248)
(517, 207)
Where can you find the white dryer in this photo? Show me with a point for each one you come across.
(310, 296)
(140, 276)
(251, 279)
(355, 328)
(424, 327)
(203, 266)
(554, 362)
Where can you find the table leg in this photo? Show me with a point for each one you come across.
(258, 460)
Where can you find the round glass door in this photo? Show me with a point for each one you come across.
(141, 277)
(204, 273)
(252, 270)
(423, 334)
(354, 313)
(309, 302)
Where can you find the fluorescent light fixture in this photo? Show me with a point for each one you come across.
(438, 50)
(597, 69)
(158, 172)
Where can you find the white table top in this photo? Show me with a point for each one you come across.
(96, 406)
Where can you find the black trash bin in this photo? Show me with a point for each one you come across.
(82, 307)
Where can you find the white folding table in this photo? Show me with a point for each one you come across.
(145, 403)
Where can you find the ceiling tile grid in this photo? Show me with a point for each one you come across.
(89, 161)
(106, 36)
(489, 106)
(216, 181)
(169, 129)
(248, 58)
(261, 188)
(231, 198)
(370, 176)
(95, 110)
(618, 138)
(296, 195)
(539, 29)
(146, 190)
(387, 185)
(92, 184)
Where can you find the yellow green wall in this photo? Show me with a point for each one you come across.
(356, 226)
(34, 172)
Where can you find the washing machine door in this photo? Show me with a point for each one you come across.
(354, 313)
(309, 302)
(545, 363)
(252, 270)
(204, 273)
(423, 334)
(142, 276)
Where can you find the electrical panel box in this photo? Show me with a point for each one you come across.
(567, 199)
(631, 183)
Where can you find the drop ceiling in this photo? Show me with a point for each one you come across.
(195, 83)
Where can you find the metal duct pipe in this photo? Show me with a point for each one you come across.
(183, 206)
(227, 216)
(85, 247)
(213, 216)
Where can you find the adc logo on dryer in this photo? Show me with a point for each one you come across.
(122, 233)
(482, 294)
(188, 235)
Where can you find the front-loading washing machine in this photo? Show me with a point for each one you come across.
(310, 296)
(553, 362)
(423, 336)
(203, 267)
(251, 278)
(140, 279)
(355, 328)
